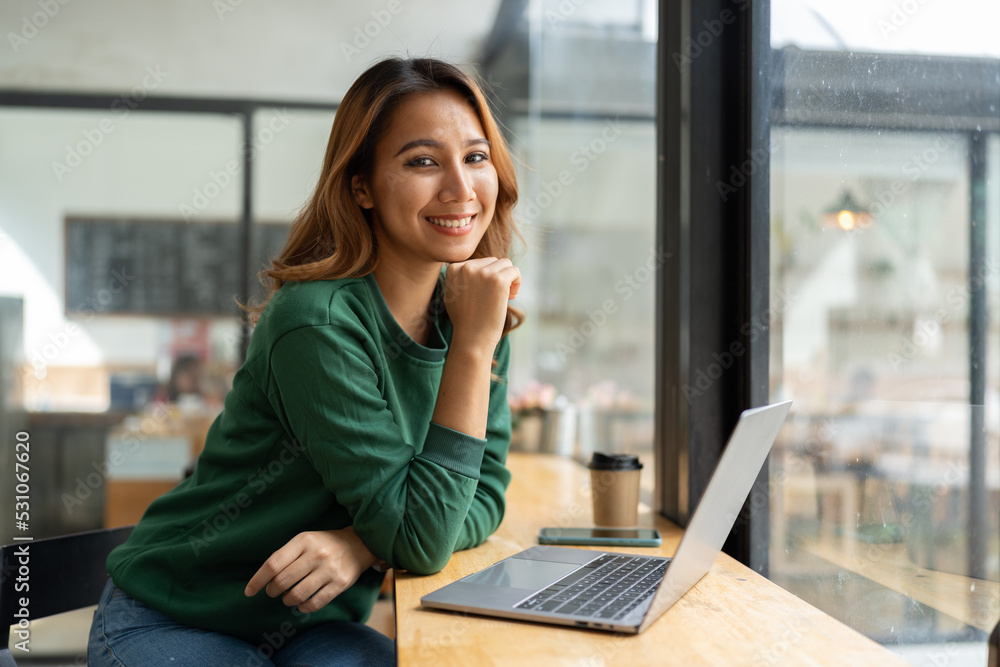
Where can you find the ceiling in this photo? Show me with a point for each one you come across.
(264, 49)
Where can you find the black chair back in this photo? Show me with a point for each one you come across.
(994, 659)
(61, 573)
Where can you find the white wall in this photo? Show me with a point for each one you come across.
(587, 209)
(292, 49)
(148, 165)
(287, 169)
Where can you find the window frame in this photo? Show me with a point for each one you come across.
(244, 109)
(712, 343)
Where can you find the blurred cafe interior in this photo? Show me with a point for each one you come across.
(153, 156)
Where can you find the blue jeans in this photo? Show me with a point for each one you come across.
(127, 633)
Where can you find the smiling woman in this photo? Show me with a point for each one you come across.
(429, 201)
(381, 355)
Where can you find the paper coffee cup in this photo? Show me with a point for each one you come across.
(614, 487)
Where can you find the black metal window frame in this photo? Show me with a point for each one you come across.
(720, 89)
(713, 138)
(243, 109)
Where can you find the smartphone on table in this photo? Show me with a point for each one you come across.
(611, 537)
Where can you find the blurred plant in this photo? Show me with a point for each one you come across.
(608, 396)
(535, 397)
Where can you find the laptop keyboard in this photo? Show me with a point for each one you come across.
(608, 587)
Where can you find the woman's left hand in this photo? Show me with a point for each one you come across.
(313, 568)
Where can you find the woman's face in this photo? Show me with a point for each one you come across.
(433, 189)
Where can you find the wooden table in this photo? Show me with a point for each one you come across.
(732, 616)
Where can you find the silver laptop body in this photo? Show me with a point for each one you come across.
(577, 587)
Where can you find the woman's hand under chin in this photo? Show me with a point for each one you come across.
(313, 568)
(475, 295)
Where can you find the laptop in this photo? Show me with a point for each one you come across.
(613, 591)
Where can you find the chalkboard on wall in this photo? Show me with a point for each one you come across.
(118, 266)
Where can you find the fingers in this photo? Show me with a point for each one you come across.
(294, 582)
(308, 587)
(272, 568)
(514, 276)
(313, 568)
(475, 296)
(290, 576)
(320, 598)
(514, 289)
(501, 271)
(304, 593)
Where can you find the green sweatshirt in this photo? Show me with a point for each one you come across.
(328, 424)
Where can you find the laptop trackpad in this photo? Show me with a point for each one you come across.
(521, 573)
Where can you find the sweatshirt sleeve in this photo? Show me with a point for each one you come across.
(409, 509)
(488, 504)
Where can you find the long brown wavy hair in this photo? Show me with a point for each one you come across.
(332, 237)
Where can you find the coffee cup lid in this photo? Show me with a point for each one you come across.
(602, 461)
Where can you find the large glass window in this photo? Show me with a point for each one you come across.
(581, 375)
(89, 200)
(885, 281)
(585, 134)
